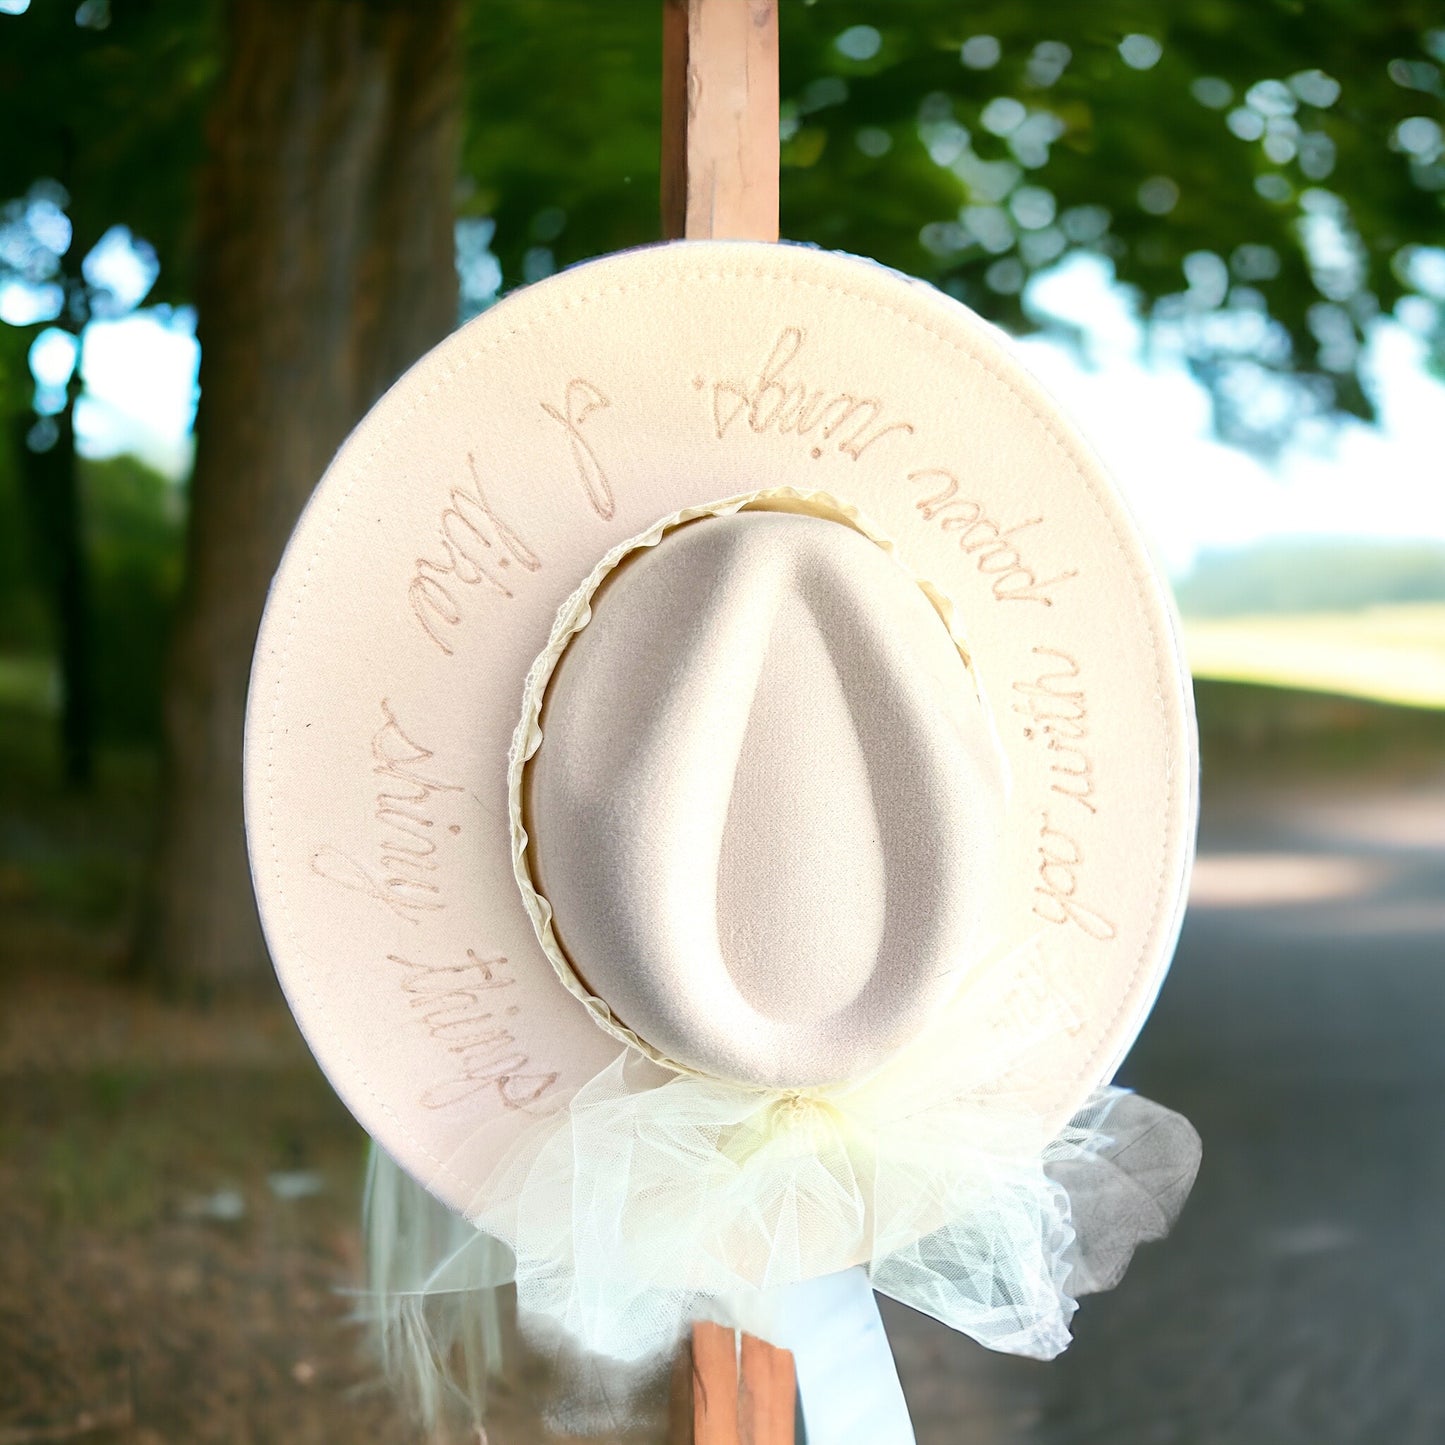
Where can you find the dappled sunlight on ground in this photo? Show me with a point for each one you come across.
(1258, 880)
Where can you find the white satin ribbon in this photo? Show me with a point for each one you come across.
(848, 1386)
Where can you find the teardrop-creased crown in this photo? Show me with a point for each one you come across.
(766, 806)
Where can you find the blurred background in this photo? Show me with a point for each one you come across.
(1217, 228)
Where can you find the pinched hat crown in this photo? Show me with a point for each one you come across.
(768, 800)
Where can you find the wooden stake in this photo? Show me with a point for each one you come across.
(720, 120)
(723, 1396)
(767, 1394)
(714, 1385)
(720, 182)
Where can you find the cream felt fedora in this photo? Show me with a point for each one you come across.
(722, 657)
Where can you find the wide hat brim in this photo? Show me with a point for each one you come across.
(426, 573)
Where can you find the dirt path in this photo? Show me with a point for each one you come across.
(1302, 1029)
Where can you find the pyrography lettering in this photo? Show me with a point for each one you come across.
(581, 401)
(400, 877)
(1057, 715)
(1056, 889)
(777, 400)
(473, 547)
(985, 539)
(458, 1005)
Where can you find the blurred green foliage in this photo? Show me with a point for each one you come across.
(22, 610)
(1267, 176)
(134, 524)
(107, 102)
(133, 534)
(1280, 732)
(1312, 576)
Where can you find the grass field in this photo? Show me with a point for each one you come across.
(1385, 654)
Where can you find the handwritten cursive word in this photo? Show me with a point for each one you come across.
(778, 401)
(1059, 715)
(457, 1005)
(406, 848)
(987, 541)
(1056, 897)
(474, 546)
(582, 400)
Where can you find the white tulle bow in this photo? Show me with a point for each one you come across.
(654, 1198)
(652, 1195)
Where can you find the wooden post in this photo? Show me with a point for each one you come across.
(726, 1395)
(714, 1385)
(720, 120)
(720, 182)
(767, 1394)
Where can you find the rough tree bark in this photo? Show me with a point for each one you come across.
(326, 266)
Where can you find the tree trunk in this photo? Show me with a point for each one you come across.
(326, 266)
(52, 486)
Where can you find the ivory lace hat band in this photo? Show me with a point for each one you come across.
(654, 415)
